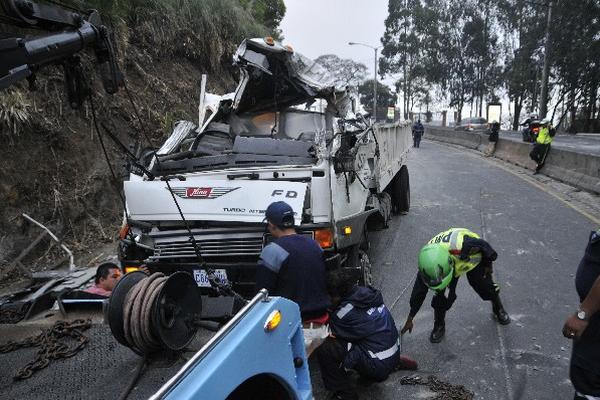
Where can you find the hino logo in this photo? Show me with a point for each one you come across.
(202, 192)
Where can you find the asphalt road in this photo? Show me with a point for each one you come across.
(539, 240)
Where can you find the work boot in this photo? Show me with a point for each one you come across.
(407, 364)
(439, 326)
(498, 309)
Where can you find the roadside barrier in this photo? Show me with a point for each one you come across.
(576, 169)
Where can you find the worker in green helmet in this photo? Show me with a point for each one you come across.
(444, 259)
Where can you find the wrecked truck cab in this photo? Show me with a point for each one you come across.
(260, 145)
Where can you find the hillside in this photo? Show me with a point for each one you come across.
(52, 166)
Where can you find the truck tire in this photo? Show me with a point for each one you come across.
(401, 191)
(366, 273)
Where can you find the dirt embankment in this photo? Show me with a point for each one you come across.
(51, 163)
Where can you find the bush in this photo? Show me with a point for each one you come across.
(203, 31)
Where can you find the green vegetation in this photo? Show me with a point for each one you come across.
(474, 51)
(206, 31)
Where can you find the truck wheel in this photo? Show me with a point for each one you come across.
(401, 192)
(366, 276)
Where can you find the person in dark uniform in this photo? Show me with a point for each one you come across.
(417, 131)
(584, 325)
(292, 266)
(364, 338)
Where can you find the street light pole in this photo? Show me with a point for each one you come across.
(544, 91)
(374, 75)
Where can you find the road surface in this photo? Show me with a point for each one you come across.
(540, 241)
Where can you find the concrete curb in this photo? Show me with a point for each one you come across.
(579, 170)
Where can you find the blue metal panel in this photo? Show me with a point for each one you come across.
(248, 350)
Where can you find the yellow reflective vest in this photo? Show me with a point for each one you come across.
(452, 239)
(543, 136)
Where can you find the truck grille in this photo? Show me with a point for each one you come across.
(218, 247)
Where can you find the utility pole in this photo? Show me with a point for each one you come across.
(374, 75)
(544, 91)
(375, 86)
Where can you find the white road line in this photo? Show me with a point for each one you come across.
(507, 377)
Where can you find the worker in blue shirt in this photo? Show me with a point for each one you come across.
(292, 266)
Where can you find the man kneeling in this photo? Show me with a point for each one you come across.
(364, 338)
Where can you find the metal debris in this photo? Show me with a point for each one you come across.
(53, 344)
(443, 390)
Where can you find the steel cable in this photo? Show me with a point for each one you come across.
(137, 314)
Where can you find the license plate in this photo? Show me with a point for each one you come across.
(202, 278)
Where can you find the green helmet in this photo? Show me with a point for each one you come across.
(436, 266)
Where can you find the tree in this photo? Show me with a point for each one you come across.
(522, 24)
(268, 12)
(402, 48)
(575, 55)
(470, 50)
(346, 72)
(385, 98)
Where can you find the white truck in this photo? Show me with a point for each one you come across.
(341, 175)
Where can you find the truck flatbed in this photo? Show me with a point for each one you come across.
(101, 370)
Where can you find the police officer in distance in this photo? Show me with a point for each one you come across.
(444, 259)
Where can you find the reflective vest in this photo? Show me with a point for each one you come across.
(543, 136)
(452, 239)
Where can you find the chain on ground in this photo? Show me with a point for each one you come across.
(53, 344)
(443, 390)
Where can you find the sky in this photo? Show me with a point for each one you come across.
(317, 27)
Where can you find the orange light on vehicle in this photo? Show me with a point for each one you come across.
(131, 268)
(347, 230)
(324, 237)
(269, 40)
(123, 231)
(273, 320)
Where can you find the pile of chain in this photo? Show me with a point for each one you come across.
(53, 344)
(13, 313)
(443, 390)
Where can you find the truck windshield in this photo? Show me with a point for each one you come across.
(271, 138)
(288, 124)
